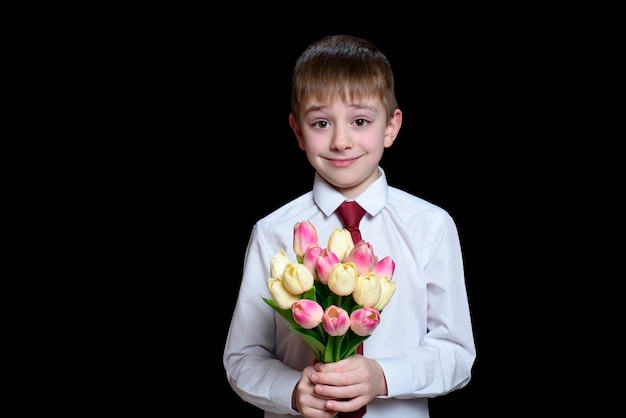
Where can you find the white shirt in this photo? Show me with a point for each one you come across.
(424, 342)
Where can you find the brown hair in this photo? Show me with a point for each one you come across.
(345, 67)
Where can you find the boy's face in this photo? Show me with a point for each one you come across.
(344, 142)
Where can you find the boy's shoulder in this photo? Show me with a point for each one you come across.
(292, 209)
(403, 198)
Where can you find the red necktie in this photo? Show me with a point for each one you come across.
(350, 214)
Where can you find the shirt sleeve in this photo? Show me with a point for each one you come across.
(251, 369)
(443, 360)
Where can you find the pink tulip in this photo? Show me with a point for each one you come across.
(385, 267)
(324, 264)
(310, 258)
(336, 321)
(307, 313)
(362, 255)
(364, 321)
(304, 236)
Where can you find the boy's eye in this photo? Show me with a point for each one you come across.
(360, 122)
(321, 124)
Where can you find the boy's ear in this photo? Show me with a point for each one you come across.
(393, 128)
(295, 127)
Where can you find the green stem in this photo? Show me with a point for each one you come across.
(322, 332)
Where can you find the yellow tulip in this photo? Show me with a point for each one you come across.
(368, 290)
(280, 294)
(297, 278)
(340, 243)
(278, 263)
(342, 279)
(388, 288)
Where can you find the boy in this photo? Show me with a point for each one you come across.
(344, 114)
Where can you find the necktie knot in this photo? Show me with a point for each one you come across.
(350, 214)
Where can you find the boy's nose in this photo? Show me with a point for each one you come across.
(341, 139)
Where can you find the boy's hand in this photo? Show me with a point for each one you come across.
(348, 384)
(306, 401)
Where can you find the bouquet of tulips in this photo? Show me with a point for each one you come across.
(331, 296)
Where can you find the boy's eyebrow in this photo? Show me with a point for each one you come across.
(314, 107)
(360, 105)
(357, 105)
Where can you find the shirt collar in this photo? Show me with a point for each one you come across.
(373, 199)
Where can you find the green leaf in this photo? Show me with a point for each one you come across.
(285, 313)
(309, 294)
(350, 344)
(338, 349)
(322, 293)
(330, 350)
(313, 340)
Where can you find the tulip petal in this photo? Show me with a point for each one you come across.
(342, 279)
(336, 320)
(364, 321)
(307, 313)
(385, 267)
(367, 290)
(340, 243)
(304, 236)
(297, 278)
(362, 255)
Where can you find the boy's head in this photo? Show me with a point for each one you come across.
(342, 67)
